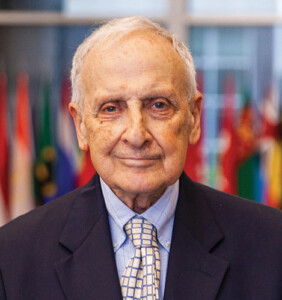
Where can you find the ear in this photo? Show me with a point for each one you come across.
(80, 128)
(195, 110)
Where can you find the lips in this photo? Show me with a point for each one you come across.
(138, 161)
(139, 158)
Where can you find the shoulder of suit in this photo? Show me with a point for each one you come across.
(41, 218)
(239, 213)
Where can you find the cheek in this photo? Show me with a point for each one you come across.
(175, 134)
(101, 136)
(177, 146)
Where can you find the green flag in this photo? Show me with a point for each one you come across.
(248, 158)
(46, 153)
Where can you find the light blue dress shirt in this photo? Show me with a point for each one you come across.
(161, 215)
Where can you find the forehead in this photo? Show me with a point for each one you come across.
(135, 40)
(138, 53)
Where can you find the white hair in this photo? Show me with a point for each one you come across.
(115, 30)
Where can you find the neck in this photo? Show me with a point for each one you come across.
(138, 202)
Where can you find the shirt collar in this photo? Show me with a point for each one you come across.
(161, 215)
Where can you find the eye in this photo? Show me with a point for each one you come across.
(110, 109)
(159, 105)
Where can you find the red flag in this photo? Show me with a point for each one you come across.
(246, 132)
(4, 188)
(228, 140)
(194, 164)
(87, 169)
(21, 176)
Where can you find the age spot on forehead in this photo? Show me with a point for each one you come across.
(123, 87)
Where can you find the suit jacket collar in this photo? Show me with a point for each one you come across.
(89, 269)
(193, 213)
(193, 272)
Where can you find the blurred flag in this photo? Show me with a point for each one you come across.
(248, 159)
(87, 170)
(270, 114)
(4, 216)
(270, 149)
(4, 159)
(21, 175)
(46, 154)
(274, 173)
(66, 145)
(194, 164)
(228, 140)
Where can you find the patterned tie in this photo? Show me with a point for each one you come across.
(141, 278)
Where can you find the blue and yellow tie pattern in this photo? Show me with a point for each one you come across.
(141, 278)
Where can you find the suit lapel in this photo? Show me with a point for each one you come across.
(193, 272)
(89, 270)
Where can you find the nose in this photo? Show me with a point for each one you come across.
(136, 133)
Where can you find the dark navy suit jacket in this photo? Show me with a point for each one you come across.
(222, 247)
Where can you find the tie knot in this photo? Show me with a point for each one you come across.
(141, 232)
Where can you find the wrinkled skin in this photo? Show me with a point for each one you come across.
(136, 119)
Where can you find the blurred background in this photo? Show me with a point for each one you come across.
(237, 49)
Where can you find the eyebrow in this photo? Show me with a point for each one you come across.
(158, 95)
(160, 92)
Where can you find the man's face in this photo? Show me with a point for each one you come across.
(137, 121)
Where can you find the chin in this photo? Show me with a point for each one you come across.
(142, 184)
(139, 181)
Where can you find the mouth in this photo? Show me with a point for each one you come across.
(138, 161)
(139, 158)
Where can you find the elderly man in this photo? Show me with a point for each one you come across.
(140, 229)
